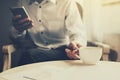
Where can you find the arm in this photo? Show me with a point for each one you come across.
(19, 29)
(74, 25)
(15, 34)
(75, 30)
(16, 37)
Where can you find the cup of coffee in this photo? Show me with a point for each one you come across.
(90, 55)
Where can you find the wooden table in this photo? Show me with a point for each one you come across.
(64, 70)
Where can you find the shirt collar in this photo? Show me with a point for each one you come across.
(53, 1)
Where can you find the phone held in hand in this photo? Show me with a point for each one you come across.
(19, 11)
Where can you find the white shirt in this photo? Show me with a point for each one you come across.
(56, 23)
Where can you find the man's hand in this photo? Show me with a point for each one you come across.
(73, 53)
(21, 24)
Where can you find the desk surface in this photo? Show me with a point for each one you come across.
(64, 70)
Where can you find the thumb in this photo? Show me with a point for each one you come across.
(67, 50)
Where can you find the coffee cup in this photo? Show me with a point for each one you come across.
(90, 55)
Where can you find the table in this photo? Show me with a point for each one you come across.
(64, 70)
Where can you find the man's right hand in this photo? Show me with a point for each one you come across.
(21, 24)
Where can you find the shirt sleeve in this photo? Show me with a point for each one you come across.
(74, 25)
(16, 34)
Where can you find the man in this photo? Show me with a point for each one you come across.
(53, 31)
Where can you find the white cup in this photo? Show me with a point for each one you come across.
(90, 55)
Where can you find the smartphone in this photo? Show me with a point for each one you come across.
(19, 11)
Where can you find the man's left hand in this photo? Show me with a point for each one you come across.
(73, 53)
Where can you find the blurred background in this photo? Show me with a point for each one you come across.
(102, 21)
(100, 17)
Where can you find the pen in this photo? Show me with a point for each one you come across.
(29, 78)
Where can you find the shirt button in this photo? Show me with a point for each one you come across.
(41, 32)
(39, 6)
(39, 20)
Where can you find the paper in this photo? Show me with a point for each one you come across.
(36, 73)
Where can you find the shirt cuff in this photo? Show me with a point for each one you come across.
(17, 34)
(82, 42)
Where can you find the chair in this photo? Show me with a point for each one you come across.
(9, 49)
(7, 52)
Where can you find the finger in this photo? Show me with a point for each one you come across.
(20, 22)
(28, 23)
(68, 52)
(26, 26)
(15, 18)
(24, 20)
(73, 45)
(75, 56)
(76, 51)
(78, 45)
